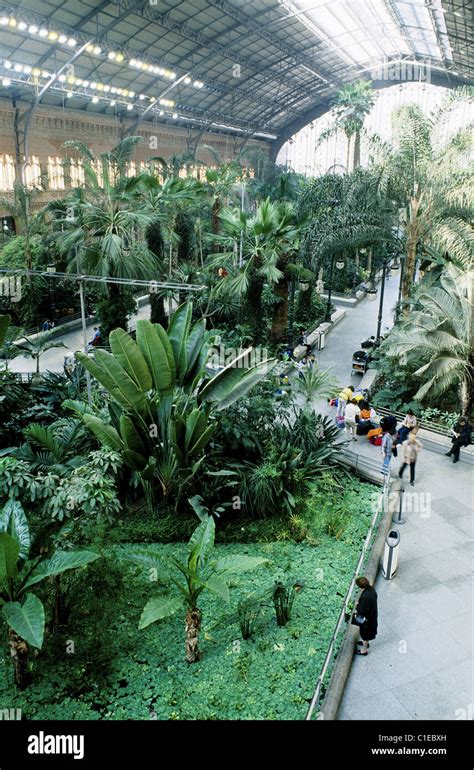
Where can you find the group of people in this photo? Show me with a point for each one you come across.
(47, 325)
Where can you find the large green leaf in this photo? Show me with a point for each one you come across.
(233, 382)
(13, 521)
(131, 358)
(9, 551)
(201, 541)
(239, 563)
(105, 433)
(150, 341)
(131, 436)
(218, 586)
(27, 619)
(107, 370)
(165, 340)
(58, 563)
(4, 324)
(178, 334)
(135, 460)
(194, 343)
(158, 608)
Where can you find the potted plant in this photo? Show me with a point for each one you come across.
(348, 611)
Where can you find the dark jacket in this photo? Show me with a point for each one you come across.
(367, 607)
(464, 431)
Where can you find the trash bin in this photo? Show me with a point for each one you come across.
(321, 340)
(390, 554)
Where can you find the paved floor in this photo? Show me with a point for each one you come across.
(420, 665)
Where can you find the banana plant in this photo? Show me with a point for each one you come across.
(163, 399)
(22, 610)
(189, 578)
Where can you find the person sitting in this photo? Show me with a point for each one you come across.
(461, 437)
(407, 426)
(95, 341)
(364, 423)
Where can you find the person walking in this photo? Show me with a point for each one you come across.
(410, 448)
(344, 396)
(351, 413)
(461, 437)
(387, 447)
(367, 608)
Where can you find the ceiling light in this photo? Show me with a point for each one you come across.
(27, 69)
(187, 81)
(198, 84)
(100, 86)
(142, 97)
(113, 90)
(71, 42)
(95, 99)
(46, 74)
(146, 67)
(97, 50)
(43, 32)
(12, 22)
(175, 115)
(93, 85)
(36, 72)
(71, 80)
(4, 20)
(32, 29)
(22, 26)
(18, 68)
(62, 39)
(172, 75)
(119, 57)
(86, 84)
(129, 106)
(6, 82)
(161, 112)
(62, 78)
(106, 88)
(53, 36)
(131, 93)
(7, 64)
(111, 55)
(89, 48)
(133, 62)
(69, 94)
(113, 103)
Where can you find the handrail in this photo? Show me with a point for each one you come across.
(434, 426)
(340, 621)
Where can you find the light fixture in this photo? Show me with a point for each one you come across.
(6, 82)
(53, 36)
(27, 69)
(86, 84)
(340, 264)
(142, 97)
(43, 32)
(175, 115)
(97, 50)
(22, 26)
(129, 106)
(36, 72)
(18, 68)
(71, 42)
(51, 268)
(93, 85)
(69, 94)
(33, 29)
(62, 78)
(131, 94)
(3, 20)
(113, 103)
(133, 62)
(71, 80)
(7, 64)
(187, 81)
(371, 293)
(106, 88)
(12, 22)
(119, 57)
(62, 39)
(161, 112)
(111, 55)
(89, 48)
(198, 84)
(95, 99)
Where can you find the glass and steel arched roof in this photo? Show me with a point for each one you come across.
(260, 68)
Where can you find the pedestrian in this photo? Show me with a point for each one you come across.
(351, 415)
(408, 424)
(410, 448)
(461, 436)
(366, 608)
(46, 327)
(387, 446)
(344, 396)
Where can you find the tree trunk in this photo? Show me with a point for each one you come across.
(157, 310)
(465, 397)
(280, 311)
(215, 221)
(412, 242)
(20, 653)
(60, 614)
(356, 150)
(193, 626)
(254, 303)
(348, 155)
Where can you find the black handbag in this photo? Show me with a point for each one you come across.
(358, 620)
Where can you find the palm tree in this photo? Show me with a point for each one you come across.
(269, 245)
(27, 224)
(438, 334)
(353, 103)
(38, 345)
(432, 184)
(105, 222)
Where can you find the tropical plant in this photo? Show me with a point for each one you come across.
(247, 614)
(315, 383)
(163, 398)
(432, 183)
(352, 104)
(20, 207)
(438, 334)
(36, 346)
(22, 610)
(284, 596)
(190, 577)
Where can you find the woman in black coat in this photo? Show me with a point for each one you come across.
(367, 607)
(461, 437)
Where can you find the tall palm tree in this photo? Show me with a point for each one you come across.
(438, 334)
(353, 103)
(270, 242)
(432, 184)
(105, 222)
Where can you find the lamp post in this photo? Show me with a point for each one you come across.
(340, 264)
(5, 229)
(399, 299)
(51, 268)
(382, 291)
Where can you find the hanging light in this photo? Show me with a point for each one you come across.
(371, 293)
(395, 265)
(340, 264)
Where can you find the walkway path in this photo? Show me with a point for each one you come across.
(420, 665)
